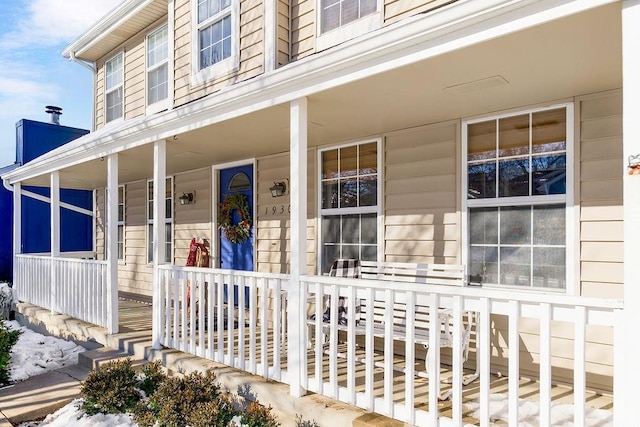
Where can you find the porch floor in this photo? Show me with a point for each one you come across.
(135, 318)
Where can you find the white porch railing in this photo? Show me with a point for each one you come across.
(343, 368)
(81, 286)
(232, 317)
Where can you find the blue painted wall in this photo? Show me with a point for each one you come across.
(76, 230)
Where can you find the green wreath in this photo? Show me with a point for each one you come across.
(236, 233)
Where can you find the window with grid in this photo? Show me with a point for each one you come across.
(349, 182)
(168, 222)
(114, 88)
(517, 187)
(157, 66)
(121, 219)
(214, 31)
(337, 13)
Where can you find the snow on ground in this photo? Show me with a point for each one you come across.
(72, 415)
(529, 412)
(35, 354)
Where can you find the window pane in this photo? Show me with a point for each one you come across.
(549, 269)
(330, 253)
(120, 212)
(514, 177)
(120, 251)
(348, 193)
(515, 225)
(481, 141)
(369, 253)
(349, 161)
(168, 207)
(349, 11)
(483, 225)
(350, 229)
(368, 159)
(329, 164)
(330, 229)
(481, 181)
(549, 225)
(331, 17)
(114, 104)
(369, 229)
(168, 236)
(515, 266)
(549, 174)
(484, 265)
(330, 194)
(150, 243)
(367, 7)
(514, 136)
(549, 131)
(368, 191)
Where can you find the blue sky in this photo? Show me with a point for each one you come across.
(32, 71)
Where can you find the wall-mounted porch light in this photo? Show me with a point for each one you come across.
(187, 198)
(278, 189)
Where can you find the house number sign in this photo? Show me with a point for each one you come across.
(275, 210)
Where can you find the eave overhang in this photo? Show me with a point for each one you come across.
(462, 24)
(119, 25)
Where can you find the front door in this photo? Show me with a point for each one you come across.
(239, 255)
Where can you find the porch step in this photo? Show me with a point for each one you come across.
(93, 359)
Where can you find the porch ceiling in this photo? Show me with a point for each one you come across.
(577, 55)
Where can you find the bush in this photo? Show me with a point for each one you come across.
(152, 377)
(257, 415)
(7, 340)
(213, 414)
(111, 389)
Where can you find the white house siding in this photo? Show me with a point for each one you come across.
(272, 222)
(251, 51)
(283, 35)
(422, 221)
(601, 220)
(303, 28)
(99, 94)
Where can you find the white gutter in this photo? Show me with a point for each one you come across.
(462, 24)
(91, 66)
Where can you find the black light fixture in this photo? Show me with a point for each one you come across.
(187, 198)
(278, 189)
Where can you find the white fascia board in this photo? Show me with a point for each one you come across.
(105, 26)
(462, 24)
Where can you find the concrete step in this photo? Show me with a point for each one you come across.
(93, 359)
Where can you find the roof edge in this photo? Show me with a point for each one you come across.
(103, 27)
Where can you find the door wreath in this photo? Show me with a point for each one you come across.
(241, 231)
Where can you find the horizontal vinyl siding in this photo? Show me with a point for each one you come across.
(601, 216)
(134, 77)
(99, 95)
(303, 28)
(193, 220)
(251, 51)
(272, 224)
(283, 35)
(421, 219)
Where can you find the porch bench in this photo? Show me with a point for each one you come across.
(429, 274)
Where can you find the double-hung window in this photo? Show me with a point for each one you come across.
(168, 221)
(215, 38)
(114, 88)
(518, 185)
(341, 20)
(349, 202)
(158, 69)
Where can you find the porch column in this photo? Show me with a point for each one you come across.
(112, 243)
(55, 237)
(296, 307)
(159, 191)
(627, 345)
(18, 278)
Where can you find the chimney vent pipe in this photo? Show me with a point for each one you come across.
(54, 114)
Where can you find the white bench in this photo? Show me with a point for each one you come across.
(428, 274)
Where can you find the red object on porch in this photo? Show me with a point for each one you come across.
(198, 257)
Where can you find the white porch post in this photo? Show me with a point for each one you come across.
(159, 195)
(298, 192)
(55, 237)
(18, 278)
(627, 348)
(112, 243)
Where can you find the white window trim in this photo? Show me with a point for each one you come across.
(378, 209)
(571, 254)
(224, 67)
(123, 224)
(349, 31)
(165, 103)
(107, 91)
(166, 221)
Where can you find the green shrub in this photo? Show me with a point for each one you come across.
(256, 415)
(111, 389)
(7, 340)
(152, 377)
(216, 413)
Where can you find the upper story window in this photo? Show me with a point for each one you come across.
(114, 88)
(349, 203)
(518, 187)
(215, 38)
(341, 20)
(158, 68)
